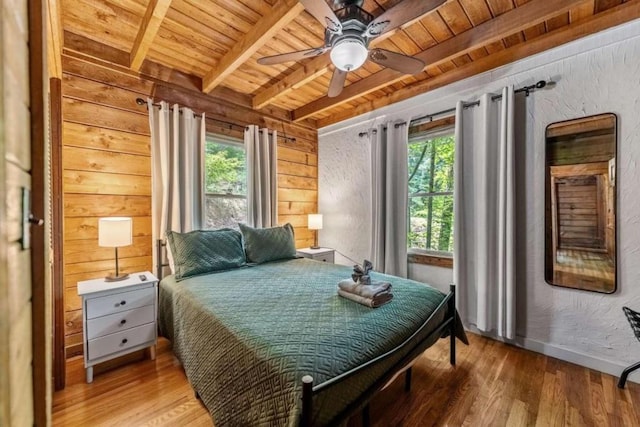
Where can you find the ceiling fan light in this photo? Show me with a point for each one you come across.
(349, 55)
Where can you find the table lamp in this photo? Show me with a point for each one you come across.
(314, 222)
(115, 232)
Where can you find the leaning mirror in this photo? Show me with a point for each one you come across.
(580, 203)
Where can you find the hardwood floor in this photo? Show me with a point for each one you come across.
(584, 270)
(493, 384)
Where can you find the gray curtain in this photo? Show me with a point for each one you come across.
(484, 214)
(177, 157)
(262, 176)
(389, 169)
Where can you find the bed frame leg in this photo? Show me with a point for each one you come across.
(452, 331)
(307, 407)
(366, 417)
(407, 380)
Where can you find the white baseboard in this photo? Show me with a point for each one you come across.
(602, 365)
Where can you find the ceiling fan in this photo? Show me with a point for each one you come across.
(349, 29)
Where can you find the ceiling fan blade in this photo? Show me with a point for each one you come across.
(399, 15)
(396, 61)
(324, 14)
(337, 83)
(292, 56)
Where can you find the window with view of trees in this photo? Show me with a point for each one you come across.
(225, 183)
(431, 192)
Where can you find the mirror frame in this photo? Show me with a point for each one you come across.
(547, 207)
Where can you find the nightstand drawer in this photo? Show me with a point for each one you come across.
(324, 257)
(116, 303)
(120, 341)
(105, 325)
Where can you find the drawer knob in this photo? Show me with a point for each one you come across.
(124, 341)
(123, 321)
(123, 302)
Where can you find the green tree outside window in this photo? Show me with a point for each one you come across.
(225, 182)
(431, 193)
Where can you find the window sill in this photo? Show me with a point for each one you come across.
(427, 259)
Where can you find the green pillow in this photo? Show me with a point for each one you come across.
(268, 244)
(204, 251)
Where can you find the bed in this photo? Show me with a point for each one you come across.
(248, 336)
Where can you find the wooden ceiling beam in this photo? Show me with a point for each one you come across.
(312, 70)
(54, 39)
(281, 14)
(85, 50)
(612, 17)
(153, 17)
(309, 71)
(511, 22)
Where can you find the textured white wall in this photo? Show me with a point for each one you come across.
(344, 197)
(594, 75)
(438, 277)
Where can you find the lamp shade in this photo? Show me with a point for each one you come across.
(114, 232)
(314, 222)
(349, 54)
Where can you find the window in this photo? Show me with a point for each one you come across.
(431, 156)
(225, 183)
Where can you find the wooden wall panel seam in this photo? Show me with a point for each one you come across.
(94, 102)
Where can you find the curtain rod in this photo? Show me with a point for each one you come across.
(141, 101)
(526, 89)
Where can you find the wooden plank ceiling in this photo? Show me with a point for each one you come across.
(219, 41)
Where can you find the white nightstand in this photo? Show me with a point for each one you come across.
(118, 317)
(320, 254)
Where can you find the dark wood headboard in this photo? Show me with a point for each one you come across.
(162, 260)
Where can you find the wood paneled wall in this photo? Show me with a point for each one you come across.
(16, 355)
(107, 171)
(596, 148)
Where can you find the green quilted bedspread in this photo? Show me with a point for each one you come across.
(247, 336)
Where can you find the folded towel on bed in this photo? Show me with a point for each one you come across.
(361, 289)
(380, 299)
(366, 291)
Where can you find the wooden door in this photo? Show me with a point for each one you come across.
(580, 204)
(15, 262)
(580, 224)
(24, 398)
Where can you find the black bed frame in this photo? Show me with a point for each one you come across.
(309, 390)
(160, 258)
(448, 323)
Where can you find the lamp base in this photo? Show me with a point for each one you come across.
(116, 278)
(315, 247)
